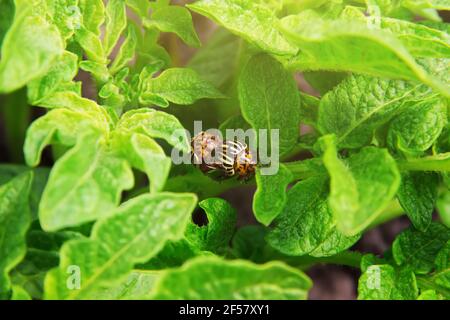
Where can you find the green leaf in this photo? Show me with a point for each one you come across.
(65, 15)
(265, 88)
(6, 17)
(309, 109)
(180, 86)
(141, 7)
(214, 278)
(442, 273)
(158, 4)
(63, 70)
(306, 224)
(93, 12)
(126, 51)
(417, 249)
(248, 20)
(144, 154)
(334, 243)
(19, 293)
(343, 198)
(443, 208)
(29, 48)
(216, 235)
(420, 40)
(174, 19)
(91, 44)
(98, 70)
(150, 51)
(324, 81)
(49, 241)
(428, 295)
(234, 123)
(15, 219)
(137, 285)
(218, 60)
(361, 187)
(270, 197)
(156, 124)
(427, 4)
(417, 195)
(384, 282)
(442, 26)
(113, 98)
(174, 254)
(33, 284)
(117, 243)
(40, 177)
(351, 46)
(84, 185)
(353, 115)
(60, 126)
(100, 120)
(416, 130)
(116, 22)
(42, 255)
(249, 243)
(193, 180)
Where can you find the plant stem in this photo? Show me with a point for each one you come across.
(439, 162)
(345, 258)
(425, 283)
(393, 210)
(303, 169)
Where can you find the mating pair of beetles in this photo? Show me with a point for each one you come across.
(222, 159)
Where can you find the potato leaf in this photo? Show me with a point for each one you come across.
(352, 115)
(384, 282)
(174, 19)
(264, 89)
(248, 20)
(29, 48)
(418, 249)
(116, 22)
(56, 127)
(417, 129)
(306, 225)
(93, 12)
(63, 70)
(156, 124)
(361, 187)
(417, 194)
(144, 154)
(351, 46)
(180, 86)
(216, 235)
(214, 278)
(126, 51)
(217, 60)
(118, 242)
(270, 197)
(442, 263)
(84, 185)
(15, 219)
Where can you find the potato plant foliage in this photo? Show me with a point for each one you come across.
(92, 207)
